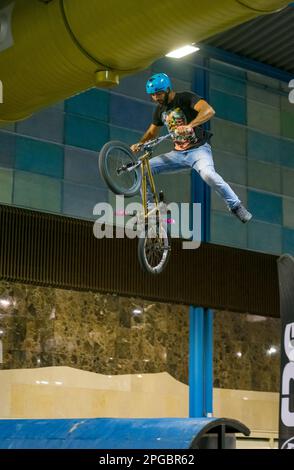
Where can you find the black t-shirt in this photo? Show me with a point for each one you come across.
(180, 112)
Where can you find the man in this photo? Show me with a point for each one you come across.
(183, 113)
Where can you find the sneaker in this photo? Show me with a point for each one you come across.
(242, 213)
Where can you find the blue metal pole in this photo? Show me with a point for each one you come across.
(201, 320)
(208, 362)
(196, 363)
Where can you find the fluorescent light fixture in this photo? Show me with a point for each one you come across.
(182, 51)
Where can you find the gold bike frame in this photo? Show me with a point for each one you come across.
(146, 170)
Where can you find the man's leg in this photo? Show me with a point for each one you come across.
(201, 160)
(166, 163)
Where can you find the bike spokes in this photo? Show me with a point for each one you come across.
(118, 167)
(154, 249)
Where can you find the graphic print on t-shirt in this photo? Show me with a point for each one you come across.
(174, 118)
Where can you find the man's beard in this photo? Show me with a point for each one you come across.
(165, 100)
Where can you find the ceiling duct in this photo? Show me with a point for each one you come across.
(50, 50)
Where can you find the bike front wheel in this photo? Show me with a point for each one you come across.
(115, 164)
(154, 249)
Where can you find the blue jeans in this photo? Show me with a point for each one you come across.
(199, 159)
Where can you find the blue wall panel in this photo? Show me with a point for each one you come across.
(288, 241)
(287, 153)
(229, 137)
(263, 117)
(92, 103)
(264, 176)
(287, 124)
(7, 149)
(228, 70)
(232, 168)
(39, 157)
(124, 135)
(226, 229)
(227, 84)
(263, 147)
(180, 69)
(265, 207)
(130, 113)
(230, 107)
(79, 200)
(86, 133)
(134, 85)
(265, 237)
(37, 192)
(48, 124)
(6, 184)
(81, 166)
(287, 181)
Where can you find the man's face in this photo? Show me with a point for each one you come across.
(161, 97)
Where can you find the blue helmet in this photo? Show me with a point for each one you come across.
(158, 82)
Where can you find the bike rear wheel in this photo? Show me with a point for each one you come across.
(113, 156)
(154, 249)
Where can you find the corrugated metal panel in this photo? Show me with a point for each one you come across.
(56, 251)
(268, 39)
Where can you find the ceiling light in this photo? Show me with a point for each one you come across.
(272, 350)
(5, 302)
(137, 311)
(182, 51)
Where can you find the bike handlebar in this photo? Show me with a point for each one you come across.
(152, 143)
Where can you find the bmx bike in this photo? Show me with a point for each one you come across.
(126, 174)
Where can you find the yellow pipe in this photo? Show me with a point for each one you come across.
(50, 51)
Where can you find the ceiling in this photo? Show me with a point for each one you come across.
(268, 39)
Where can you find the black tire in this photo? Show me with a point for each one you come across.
(154, 252)
(112, 156)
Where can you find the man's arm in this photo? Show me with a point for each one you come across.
(150, 134)
(205, 112)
